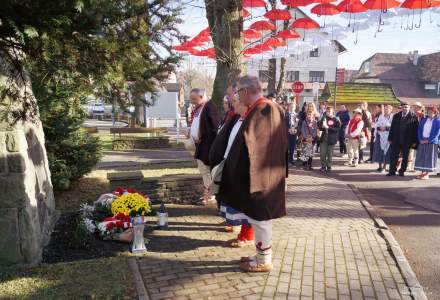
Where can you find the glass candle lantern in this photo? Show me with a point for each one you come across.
(138, 246)
(162, 217)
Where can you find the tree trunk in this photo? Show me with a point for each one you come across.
(272, 71)
(226, 22)
(272, 74)
(282, 79)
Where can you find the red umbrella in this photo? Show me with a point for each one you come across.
(252, 50)
(278, 14)
(381, 4)
(263, 47)
(254, 3)
(305, 23)
(325, 10)
(252, 34)
(180, 48)
(194, 52)
(201, 39)
(263, 25)
(296, 3)
(275, 42)
(288, 34)
(246, 13)
(351, 6)
(206, 31)
(416, 4)
(207, 52)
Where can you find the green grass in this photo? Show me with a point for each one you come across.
(107, 139)
(106, 278)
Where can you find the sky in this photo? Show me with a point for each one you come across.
(393, 38)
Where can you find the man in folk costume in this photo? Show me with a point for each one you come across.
(254, 168)
(402, 137)
(353, 134)
(205, 121)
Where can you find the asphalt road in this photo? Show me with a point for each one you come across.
(418, 232)
(411, 208)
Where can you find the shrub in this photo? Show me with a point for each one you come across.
(71, 152)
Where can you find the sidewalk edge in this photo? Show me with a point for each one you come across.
(402, 263)
(141, 290)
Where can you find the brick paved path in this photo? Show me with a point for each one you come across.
(326, 248)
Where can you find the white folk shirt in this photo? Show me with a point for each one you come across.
(232, 136)
(427, 128)
(195, 126)
(357, 132)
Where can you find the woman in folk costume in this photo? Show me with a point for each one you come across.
(309, 133)
(381, 145)
(353, 134)
(252, 180)
(234, 220)
(428, 136)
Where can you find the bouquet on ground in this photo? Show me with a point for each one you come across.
(111, 215)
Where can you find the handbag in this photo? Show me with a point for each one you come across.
(216, 175)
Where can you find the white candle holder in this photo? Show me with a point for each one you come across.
(162, 219)
(138, 246)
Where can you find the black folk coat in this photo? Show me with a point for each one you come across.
(253, 178)
(209, 123)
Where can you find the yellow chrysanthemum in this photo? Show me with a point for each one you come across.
(133, 203)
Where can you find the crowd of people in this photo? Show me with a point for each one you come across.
(400, 138)
(244, 156)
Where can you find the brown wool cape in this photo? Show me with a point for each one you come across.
(253, 178)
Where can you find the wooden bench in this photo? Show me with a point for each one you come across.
(91, 130)
(131, 142)
(123, 130)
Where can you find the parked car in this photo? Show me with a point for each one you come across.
(98, 110)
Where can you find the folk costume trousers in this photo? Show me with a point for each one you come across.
(353, 151)
(205, 171)
(263, 240)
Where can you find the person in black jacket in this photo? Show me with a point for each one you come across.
(205, 121)
(402, 137)
(344, 117)
(329, 126)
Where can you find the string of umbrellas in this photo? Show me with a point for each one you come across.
(264, 36)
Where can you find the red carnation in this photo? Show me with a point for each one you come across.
(120, 224)
(131, 190)
(109, 226)
(119, 191)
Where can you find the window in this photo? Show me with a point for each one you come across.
(263, 75)
(314, 52)
(292, 76)
(316, 76)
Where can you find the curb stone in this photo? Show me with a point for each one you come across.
(138, 281)
(402, 263)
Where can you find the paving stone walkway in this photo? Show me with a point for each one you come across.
(325, 248)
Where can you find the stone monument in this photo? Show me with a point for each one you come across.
(27, 205)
